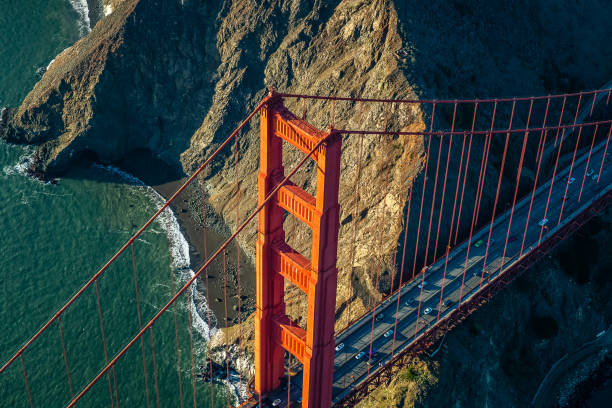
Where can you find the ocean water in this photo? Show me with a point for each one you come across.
(53, 237)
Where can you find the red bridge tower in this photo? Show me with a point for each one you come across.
(276, 261)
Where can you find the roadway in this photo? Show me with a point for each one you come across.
(349, 370)
(414, 301)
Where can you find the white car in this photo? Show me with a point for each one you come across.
(589, 172)
(360, 355)
(427, 310)
(276, 402)
(422, 284)
(543, 222)
(388, 333)
(571, 180)
(339, 347)
(595, 176)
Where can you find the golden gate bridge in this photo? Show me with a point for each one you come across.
(463, 247)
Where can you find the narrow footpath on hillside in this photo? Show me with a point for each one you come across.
(568, 366)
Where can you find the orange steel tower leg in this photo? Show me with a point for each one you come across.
(276, 261)
(269, 356)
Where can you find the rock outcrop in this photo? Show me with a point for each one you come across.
(173, 78)
(121, 88)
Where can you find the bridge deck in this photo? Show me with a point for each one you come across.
(350, 371)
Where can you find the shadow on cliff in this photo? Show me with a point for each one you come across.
(481, 49)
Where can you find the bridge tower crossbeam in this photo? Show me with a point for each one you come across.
(277, 261)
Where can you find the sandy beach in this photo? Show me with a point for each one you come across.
(166, 181)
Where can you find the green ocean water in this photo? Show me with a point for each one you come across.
(53, 237)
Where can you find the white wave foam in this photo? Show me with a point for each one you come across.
(108, 9)
(81, 7)
(50, 63)
(200, 311)
(21, 168)
(180, 254)
(181, 262)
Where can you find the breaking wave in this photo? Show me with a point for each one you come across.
(20, 168)
(180, 254)
(82, 9)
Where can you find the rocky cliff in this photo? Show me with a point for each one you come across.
(174, 77)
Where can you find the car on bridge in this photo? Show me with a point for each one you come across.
(478, 243)
(365, 352)
(380, 316)
(422, 284)
(543, 222)
(339, 347)
(411, 302)
(427, 310)
(571, 180)
(388, 333)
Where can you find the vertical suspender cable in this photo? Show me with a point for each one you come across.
(381, 229)
(467, 165)
(152, 337)
(208, 312)
(499, 181)
(477, 203)
(450, 233)
(484, 167)
(586, 168)
(518, 176)
(399, 292)
(226, 324)
(416, 249)
(450, 145)
(552, 180)
(61, 333)
(105, 348)
(144, 361)
(538, 172)
(355, 215)
(569, 175)
(560, 121)
(190, 322)
(433, 200)
(25, 378)
(355, 220)
(176, 338)
(603, 158)
(238, 259)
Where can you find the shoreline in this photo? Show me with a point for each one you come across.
(165, 181)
